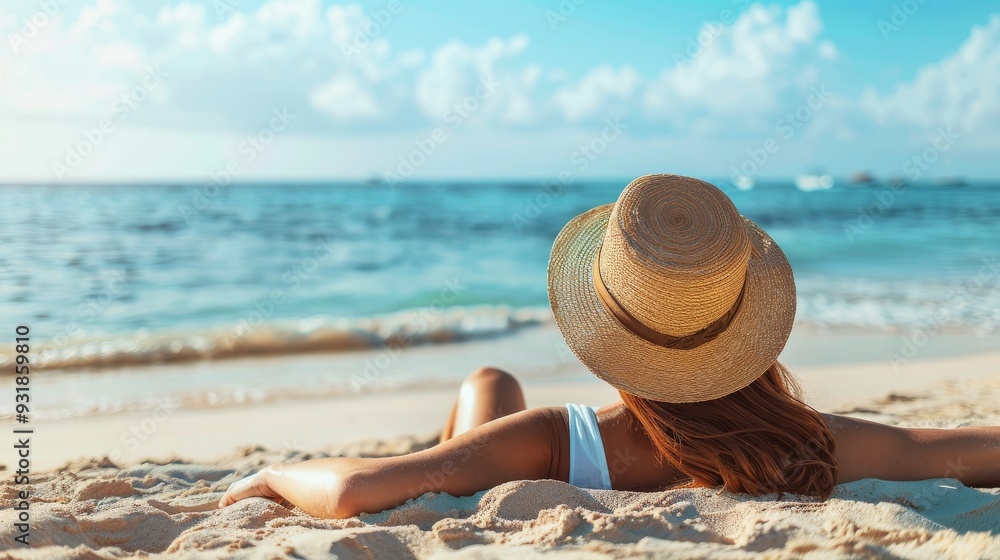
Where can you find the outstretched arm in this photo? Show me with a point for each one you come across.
(872, 450)
(527, 445)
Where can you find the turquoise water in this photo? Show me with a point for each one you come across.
(126, 273)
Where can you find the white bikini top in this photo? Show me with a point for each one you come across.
(588, 467)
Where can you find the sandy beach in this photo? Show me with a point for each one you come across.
(97, 494)
(79, 414)
(235, 234)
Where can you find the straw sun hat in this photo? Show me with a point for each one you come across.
(670, 294)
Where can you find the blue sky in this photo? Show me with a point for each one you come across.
(303, 89)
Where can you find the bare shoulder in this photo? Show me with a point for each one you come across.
(633, 463)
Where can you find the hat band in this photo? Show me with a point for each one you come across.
(637, 328)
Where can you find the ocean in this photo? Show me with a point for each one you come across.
(109, 275)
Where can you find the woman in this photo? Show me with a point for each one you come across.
(683, 305)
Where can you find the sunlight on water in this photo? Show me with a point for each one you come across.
(138, 274)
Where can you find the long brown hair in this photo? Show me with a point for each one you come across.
(758, 440)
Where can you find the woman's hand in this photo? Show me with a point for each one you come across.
(255, 485)
(320, 487)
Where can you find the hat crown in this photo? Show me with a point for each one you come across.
(675, 253)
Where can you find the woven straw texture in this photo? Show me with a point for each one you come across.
(675, 254)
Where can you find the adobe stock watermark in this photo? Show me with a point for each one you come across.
(290, 446)
(121, 110)
(562, 13)
(86, 312)
(785, 128)
(914, 342)
(930, 496)
(35, 23)
(813, 449)
(580, 160)
(709, 32)
(564, 353)
(265, 307)
(249, 150)
(377, 22)
(390, 349)
(900, 16)
(913, 169)
(434, 479)
(455, 116)
(620, 462)
(225, 7)
(138, 433)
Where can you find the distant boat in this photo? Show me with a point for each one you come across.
(814, 182)
(743, 183)
(862, 178)
(950, 182)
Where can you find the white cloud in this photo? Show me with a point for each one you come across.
(116, 54)
(827, 50)
(520, 108)
(69, 69)
(746, 70)
(222, 72)
(963, 90)
(335, 63)
(456, 70)
(297, 18)
(344, 99)
(7, 21)
(802, 23)
(344, 78)
(411, 58)
(93, 16)
(345, 22)
(588, 97)
(183, 23)
(558, 75)
(223, 38)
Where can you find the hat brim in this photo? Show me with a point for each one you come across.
(731, 361)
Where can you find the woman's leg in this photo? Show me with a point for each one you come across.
(486, 394)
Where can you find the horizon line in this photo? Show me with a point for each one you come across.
(375, 181)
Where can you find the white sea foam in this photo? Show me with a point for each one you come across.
(319, 333)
